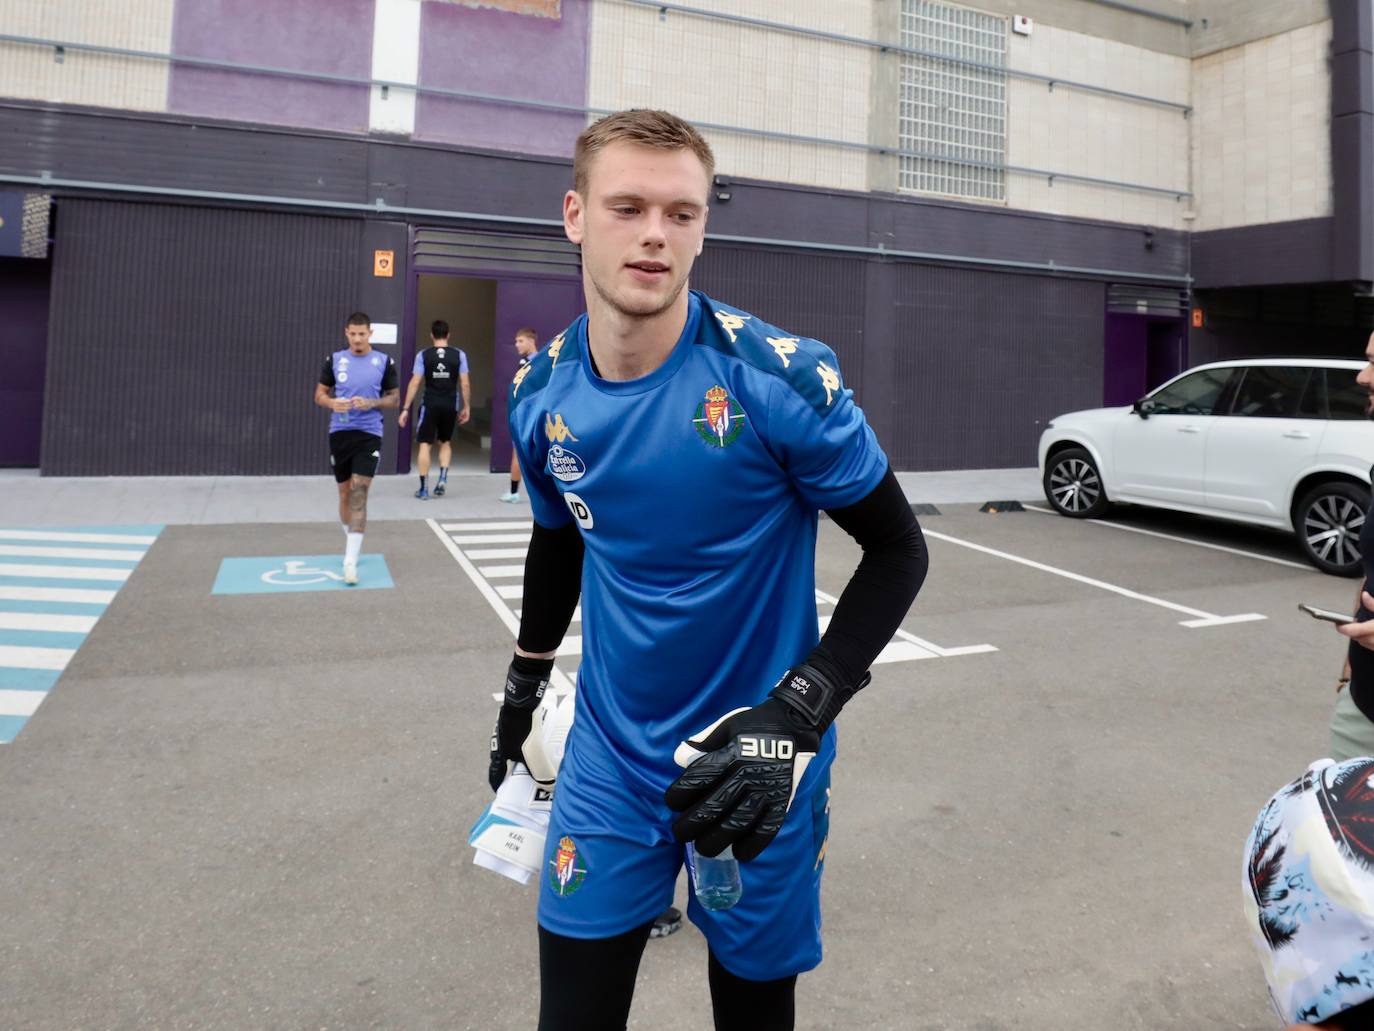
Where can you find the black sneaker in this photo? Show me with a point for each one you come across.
(439, 489)
(666, 923)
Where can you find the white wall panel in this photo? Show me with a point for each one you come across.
(31, 73)
(1095, 135)
(1262, 131)
(708, 70)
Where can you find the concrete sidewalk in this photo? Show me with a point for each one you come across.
(27, 499)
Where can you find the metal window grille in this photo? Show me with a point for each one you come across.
(951, 110)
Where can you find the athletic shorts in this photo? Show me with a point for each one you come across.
(354, 453)
(436, 424)
(1351, 732)
(611, 862)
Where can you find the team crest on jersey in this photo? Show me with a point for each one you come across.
(565, 872)
(719, 418)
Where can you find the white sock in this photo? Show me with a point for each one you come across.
(345, 528)
(352, 548)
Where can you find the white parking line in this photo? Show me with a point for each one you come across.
(1200, 618)
(491, 538)
(493, 595)
(910, 646)
(1184, 540)
(492, 553)
(509, 524)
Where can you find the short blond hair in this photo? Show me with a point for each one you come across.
(645, 128)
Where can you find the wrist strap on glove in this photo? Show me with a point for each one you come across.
(526, 681)
(815, 689)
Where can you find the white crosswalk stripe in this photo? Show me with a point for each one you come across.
(64, 572)
(26, 657)
(37, 551)
(43, 621)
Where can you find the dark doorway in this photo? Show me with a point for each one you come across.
(24, 289)
(1140, 353)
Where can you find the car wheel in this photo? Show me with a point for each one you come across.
(1328, 520)
(1073, 486)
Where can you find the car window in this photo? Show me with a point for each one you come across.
(1271, 392)
(1194, 394)
(1346, 398)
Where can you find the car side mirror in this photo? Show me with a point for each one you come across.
(1143, 407)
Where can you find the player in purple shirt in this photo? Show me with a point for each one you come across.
(355, 385)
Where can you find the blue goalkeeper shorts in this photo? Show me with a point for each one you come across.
(611, 863)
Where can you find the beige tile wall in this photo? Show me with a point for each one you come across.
(30, 72)
(1262, 131)
(1091, 134)
(712, 71)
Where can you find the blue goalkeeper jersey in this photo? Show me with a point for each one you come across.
(696, 490)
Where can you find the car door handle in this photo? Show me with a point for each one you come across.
(1298, 435)
(1190, 429)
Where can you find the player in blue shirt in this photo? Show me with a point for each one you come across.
(677, 451)
(355, 385)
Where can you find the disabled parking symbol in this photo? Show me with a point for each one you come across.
(278, 574)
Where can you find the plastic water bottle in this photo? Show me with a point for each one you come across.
(715, 881)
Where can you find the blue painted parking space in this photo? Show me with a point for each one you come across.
(55, 583)
(285, 574)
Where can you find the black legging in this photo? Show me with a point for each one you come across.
(587, 985)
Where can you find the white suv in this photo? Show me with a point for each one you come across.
(1281, 442)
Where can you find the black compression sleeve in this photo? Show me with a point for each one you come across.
(882, 588)
(553, 583)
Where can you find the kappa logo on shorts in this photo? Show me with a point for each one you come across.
(565, 875)
(719, 418)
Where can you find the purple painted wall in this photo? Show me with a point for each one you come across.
(24, 347)
(513, 55)
(332, 36)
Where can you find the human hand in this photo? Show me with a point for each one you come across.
(1361, 633)
(404, 418)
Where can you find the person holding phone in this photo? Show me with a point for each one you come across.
(1352, 720)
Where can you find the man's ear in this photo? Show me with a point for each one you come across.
(573, 213)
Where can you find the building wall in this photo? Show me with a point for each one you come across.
(331, 36)
(507, 54)
(1094, 135)
(708, 70)
(132, 83)
(1262, 133)
(1223, 24)
(208, 352)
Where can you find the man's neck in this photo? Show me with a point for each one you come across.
(626, 347)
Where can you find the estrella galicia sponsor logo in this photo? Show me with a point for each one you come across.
(566, 869)
(566, 465)
(719, 418)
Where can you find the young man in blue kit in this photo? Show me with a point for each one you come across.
(677, 451)
(355, 384)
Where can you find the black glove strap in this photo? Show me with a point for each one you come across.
(813, 689)
(526, 681)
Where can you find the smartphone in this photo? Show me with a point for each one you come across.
(1326, 614)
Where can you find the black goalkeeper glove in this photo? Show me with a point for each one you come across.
(526, 681)
(743, 770)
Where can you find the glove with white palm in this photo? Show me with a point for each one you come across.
(742, 771)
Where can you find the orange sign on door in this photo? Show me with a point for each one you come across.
(384, 263)
(1197, 318)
